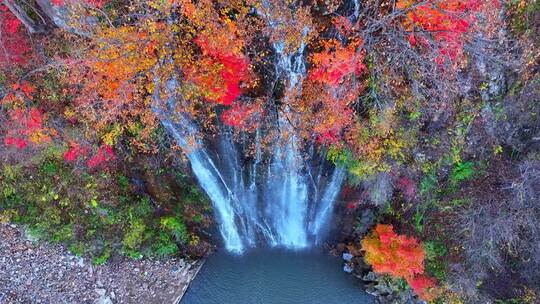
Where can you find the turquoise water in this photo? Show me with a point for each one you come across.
(274, 277)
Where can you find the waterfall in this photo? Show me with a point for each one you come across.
(184, 131)
(326, 204)
(273, 199)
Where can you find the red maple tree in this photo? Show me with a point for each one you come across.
(399, 256)
(446, 21)
(221, 72)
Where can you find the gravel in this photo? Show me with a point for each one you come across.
(32, 272)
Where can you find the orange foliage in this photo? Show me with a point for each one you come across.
(337, 63)
(398, 256)
(116, 76)
(119, 72)
(127, 54)
(393, 254)
(332, 117)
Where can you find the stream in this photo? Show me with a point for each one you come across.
(264, 276)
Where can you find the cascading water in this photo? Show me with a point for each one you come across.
(208, 175)
(273, 199)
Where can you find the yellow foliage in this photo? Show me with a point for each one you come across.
(110, 138)
(376, 142)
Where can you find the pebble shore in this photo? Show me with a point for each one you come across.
(38, 272)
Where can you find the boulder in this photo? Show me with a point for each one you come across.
(347, 257)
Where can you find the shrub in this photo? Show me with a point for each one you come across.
(103, 257)
(399, 256)
(423, 286)
(134, 237)
(93, 213)
(462, 172)
(433, 264)
(176, 227)
(165, 246)
(393, 254)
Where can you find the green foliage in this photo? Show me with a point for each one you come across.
(3, 79)
(379, 144)
(93, 214)
(165, 246)
(192, 194)
(123, 182)
(462, 172)
(359, 169)
(134, 236)
(103, 257)
(434, 250)
(197, 218)
(523, 14)
(415, 115)
(435, 265)
(340, 157)
(77, 248)
(419, 220)
(49, 168)
(428, 183)
(176, 227)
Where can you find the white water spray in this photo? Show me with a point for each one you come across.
(276, 202)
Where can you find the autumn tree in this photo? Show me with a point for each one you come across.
(120, 71)
(417, 48)
(399, 256)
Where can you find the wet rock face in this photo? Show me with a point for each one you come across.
(495, 79)
(509, 113)
(487, 75)
(519, 127)
(63, 17)
(511, 122)
(365, 222)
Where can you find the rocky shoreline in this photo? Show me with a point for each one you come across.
(32, 272)
(39, 272)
